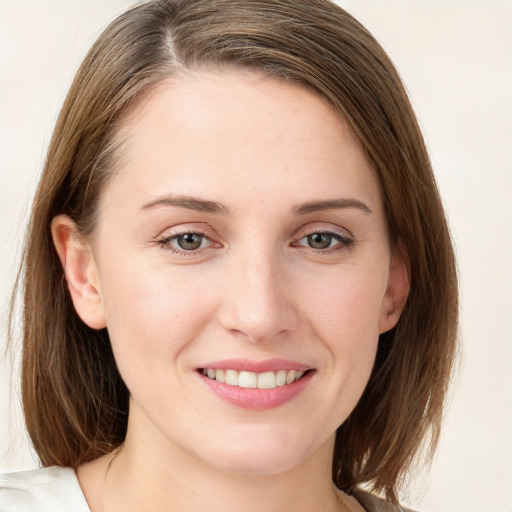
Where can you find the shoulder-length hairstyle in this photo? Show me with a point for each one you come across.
(75, 403)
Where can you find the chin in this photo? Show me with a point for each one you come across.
(260, 464)
(262, 453)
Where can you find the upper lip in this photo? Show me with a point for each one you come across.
(267, 365)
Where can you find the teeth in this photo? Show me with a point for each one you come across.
(231, 377)
(266, 380)
(247, 379)
(243, 379)
(290, 376)
(281, 378)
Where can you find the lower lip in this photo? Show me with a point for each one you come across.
(257, 399)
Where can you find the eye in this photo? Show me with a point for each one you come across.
(189, 241)
(320, 240)
(185, 242)
(324, 240)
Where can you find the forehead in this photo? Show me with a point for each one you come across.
(250, 133)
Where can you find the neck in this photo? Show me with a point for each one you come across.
(146, 475)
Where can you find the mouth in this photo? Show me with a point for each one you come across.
(255, 385)
(253, 380)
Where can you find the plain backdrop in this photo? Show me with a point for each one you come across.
(455, 57)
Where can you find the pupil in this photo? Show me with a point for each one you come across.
(190, 241)
(319, 240)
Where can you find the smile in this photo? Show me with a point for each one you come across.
(252, 380)
(256, 386)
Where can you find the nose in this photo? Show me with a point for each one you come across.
(257, 300)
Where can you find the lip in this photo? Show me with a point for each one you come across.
(253, 398)
(268, 365)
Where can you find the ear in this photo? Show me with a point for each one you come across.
(397, 291)
(80, 271)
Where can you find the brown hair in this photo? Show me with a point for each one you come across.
(75, 402)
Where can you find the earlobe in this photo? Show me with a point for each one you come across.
(396, 293)
(80, 271)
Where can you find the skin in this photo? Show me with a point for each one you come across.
(255, 289)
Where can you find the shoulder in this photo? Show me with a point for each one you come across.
(52, 489)
(372, 503)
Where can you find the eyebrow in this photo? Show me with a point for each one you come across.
(332, 204)
(188, 202)
(201, 205)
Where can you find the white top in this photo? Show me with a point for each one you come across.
(51, 489)
(56, 489)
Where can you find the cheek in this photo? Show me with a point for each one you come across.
(153, 317)
(348, 305)
(346, 318)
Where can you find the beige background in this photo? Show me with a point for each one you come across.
(456, 59)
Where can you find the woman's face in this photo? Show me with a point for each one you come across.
(243, 237)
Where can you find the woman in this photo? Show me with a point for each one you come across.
(253, 287)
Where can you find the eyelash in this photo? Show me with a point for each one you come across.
(165, 243)
(344, 242)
